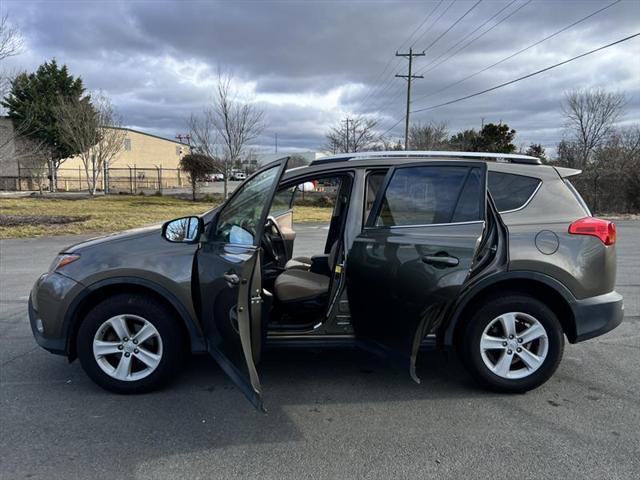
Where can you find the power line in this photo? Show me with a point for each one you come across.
(453, 25)
(393, 99)
(434, 22)
(564, 29)
(393, 126)
(420, 26)
(437, 38)
(390, 81)
(458, 20)
(503, 19)
(527, 76)
(409, 77)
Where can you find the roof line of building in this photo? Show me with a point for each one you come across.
(150, 135)
(134, 131)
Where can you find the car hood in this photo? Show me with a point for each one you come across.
(133, 234)
(115, 237)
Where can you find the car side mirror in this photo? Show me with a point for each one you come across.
(183, 230)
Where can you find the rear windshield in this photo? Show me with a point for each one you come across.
(510, 191)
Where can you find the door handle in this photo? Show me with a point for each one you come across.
(443, 261)
(232, 279)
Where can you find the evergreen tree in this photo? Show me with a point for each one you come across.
(496, 138)
(32, 103)
(537, 150)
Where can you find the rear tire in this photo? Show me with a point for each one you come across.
(513, 343)
(130, 344)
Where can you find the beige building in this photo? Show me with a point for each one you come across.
(145, 161)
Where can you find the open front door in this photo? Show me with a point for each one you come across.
(415, 254)
(230, 280)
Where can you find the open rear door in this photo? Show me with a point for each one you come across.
(415, 254)
(230, 280)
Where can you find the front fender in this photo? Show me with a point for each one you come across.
(186, 313)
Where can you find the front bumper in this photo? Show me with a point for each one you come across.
(596, 316)
(53, 345)
(48, 302)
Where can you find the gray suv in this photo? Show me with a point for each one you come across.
(494, 255)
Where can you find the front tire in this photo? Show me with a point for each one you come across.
(513, 343)
(130, 344)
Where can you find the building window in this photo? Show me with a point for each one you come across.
(127, 144)
(178, 151)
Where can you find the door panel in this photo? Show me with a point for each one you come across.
(228, 265)
(226, 275)
(401, 279)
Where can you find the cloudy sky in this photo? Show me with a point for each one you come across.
(310, 63)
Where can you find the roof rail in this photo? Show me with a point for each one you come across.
(498, 157)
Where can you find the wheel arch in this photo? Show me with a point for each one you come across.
(101, 290)
(537, 285)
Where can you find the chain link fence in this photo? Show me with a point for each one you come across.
(118, 180)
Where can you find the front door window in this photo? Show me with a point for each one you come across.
(238, 222)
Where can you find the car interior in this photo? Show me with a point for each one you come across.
(303, 285)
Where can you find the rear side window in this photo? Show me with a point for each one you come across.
(509, 191)
(431, 195)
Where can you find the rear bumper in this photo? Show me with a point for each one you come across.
(596, 316)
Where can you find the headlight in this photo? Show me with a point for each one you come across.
(62, 260)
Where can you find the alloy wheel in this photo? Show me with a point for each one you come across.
(514, 345)
(127, 347)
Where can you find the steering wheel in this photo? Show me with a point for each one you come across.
(266, 239)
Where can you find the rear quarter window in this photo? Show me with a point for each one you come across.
(510, 191)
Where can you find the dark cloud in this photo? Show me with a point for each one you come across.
(308, 63)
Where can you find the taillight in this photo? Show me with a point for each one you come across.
(596, 227)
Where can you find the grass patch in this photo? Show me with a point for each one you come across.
(36, 217)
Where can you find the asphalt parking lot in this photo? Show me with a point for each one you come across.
(332, 414)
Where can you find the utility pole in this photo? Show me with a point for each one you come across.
(409, 77)
(347, 120)
(184, 136)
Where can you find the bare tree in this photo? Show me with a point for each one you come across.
(32, 157)
(387, 144)
(11, 43)
(29, 155)
(10, 38)
(236, 123)
(353, 135)
(430, 136)
(205, 137)
(591, 116)
(93, 129)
